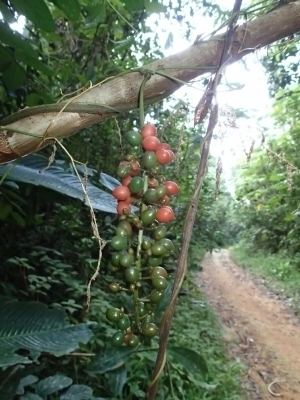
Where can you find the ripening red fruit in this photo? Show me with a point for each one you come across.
(165, 146)
(153, 183)
(149, 130)
(165, 215)
(126, 180)
(123, 207)
(164, 156)
(150, 143)
(165, 200)
(172, 188)
(121, 193)
(135, 168)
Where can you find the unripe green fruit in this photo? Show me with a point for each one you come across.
(149, 330)
(150, 196)
(141, 308)
(168, 244)
(126, 225)
(158, 249)
(133, 138)
(121, 232)
(136, 184)
(161, 191)
(160, 232)
(114, 314)
(159, 282)
(127, 260)
(124, 323)
(132, 275)
(114, 287)
(158, 271)
(155, 296)
(154, 261)
(123, 170)
(146, 243)
(115, 259)
(132, 340)
(119, 243)
(118, 339)
(148, 216)
(149, 160)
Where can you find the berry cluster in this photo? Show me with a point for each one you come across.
(140, 246)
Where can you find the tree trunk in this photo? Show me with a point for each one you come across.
(32, 128)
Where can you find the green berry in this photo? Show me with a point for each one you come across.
(119, 242)
(159, 282)
(136, 184)
(132, 275)
(148, 216)
(149, 160)
(124, 323)
(114, 314)
(133, 138)
(149, 329)
(118, 339)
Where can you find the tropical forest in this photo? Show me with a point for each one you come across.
(149, 199)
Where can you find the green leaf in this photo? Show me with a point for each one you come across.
(6, 58)
(189, 359)
(33, 327)
(70, 8)
(153, 6)
(52, 384)
(110, 359)
(23, 50)
(31, 396)
(78, 392)
(116, 381)
(134, 5)
(33, 169)
(26, 381)
(36, 11)
(14, 76)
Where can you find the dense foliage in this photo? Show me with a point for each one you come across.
(48, 253)
(268, 196)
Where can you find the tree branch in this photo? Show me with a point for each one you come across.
(120, 93)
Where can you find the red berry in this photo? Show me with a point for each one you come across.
(164, 156)
(135, 168)
(149, 130)
(150, 143)
(121, 193)
(172, 188)
(165, 215)
(123, 208)
(153, 183)
(126, 180)
(165, 146)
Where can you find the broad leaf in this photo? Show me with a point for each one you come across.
(52, 384)
(26, 381)
(189, 359)
(79, 392)
(33, 169)
(38, 13)
(33, 327)
(22, 49)
(110, 360)
(70, 8)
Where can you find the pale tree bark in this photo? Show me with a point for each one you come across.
(32, 128)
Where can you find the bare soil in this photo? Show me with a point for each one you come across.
(260, 329)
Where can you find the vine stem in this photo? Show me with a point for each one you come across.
(210, 100)
(101, 242)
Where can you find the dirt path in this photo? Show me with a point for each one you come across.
(260, 329)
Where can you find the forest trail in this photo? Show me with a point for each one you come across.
(260, 330)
